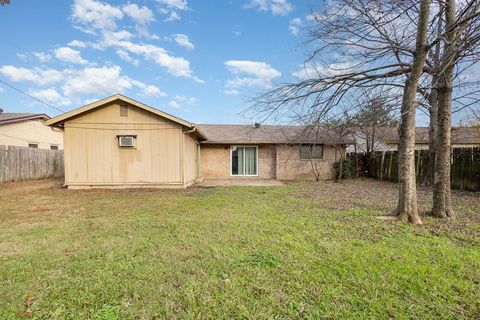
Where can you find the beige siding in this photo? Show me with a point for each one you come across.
(291, 167)
(190, 159)
(215, 161)
(32, 131)
(92, 155)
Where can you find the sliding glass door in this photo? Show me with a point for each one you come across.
(244, 161)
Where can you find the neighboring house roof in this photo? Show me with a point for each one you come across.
(59, 120)
(268, 134)
(12, 117)
(460, 135)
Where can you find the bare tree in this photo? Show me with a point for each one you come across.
(361, 45)
(460, 41)
(407, 201)
(433, 102)
(374, 121)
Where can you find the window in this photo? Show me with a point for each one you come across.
(126, 141)
(123, 110)
(311, 151)
(244, 161)
(53, 147)
(33, 145)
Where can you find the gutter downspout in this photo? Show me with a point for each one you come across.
(191, 130)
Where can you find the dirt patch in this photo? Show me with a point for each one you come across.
(382, 196)
(8, 188)
(376, 195)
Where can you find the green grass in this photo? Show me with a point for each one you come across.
(223, 253)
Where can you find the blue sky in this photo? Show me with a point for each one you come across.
(199, 60)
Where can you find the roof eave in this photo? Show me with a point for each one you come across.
(25, 118)
(59, 120)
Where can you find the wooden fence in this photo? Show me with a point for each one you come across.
(23, 163)
(465, 167)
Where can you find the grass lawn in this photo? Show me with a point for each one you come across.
(303, 250)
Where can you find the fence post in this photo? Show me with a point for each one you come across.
(381, 165)
(3, 163)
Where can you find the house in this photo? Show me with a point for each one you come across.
(460, 137)
(120, 142)
(387, 138)
(269, 152)
(28, 130)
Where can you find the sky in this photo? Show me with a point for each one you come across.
(198, 60)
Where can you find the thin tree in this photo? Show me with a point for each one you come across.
(375, 119)
(407, 202)
(461, 39)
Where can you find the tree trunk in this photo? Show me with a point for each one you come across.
(340, 174)
(442, 206)
(433, 110)
(357, 169)
(433, 131)
(407, 201)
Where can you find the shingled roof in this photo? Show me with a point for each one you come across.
(268, 134)
(12, 117)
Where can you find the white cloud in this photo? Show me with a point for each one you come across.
(183, 41)
(277, 7)
(42, 56)
(312, 72)
(170, 7)
(22, 56)
(113, 38)
(77, 43)
(35, 75)
(51, 96)
(76, 83)
(179, 101)
(295, 25)
(281, 7)
(153, 91)
(172, 17)
(232, 92)
(176, 66)
(92, 80)
(253, 73)
(96, 14)
(102, 17)
(186, 100)
(126, 57)
(141, 15)
(175, 4)
(174, 104)
(68, 54)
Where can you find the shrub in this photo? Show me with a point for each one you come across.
(348, 170)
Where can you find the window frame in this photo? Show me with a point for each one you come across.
(311, 145)
(54, 146)
(33, 143)
(231, 158)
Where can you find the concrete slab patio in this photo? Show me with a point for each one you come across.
(210, 183)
